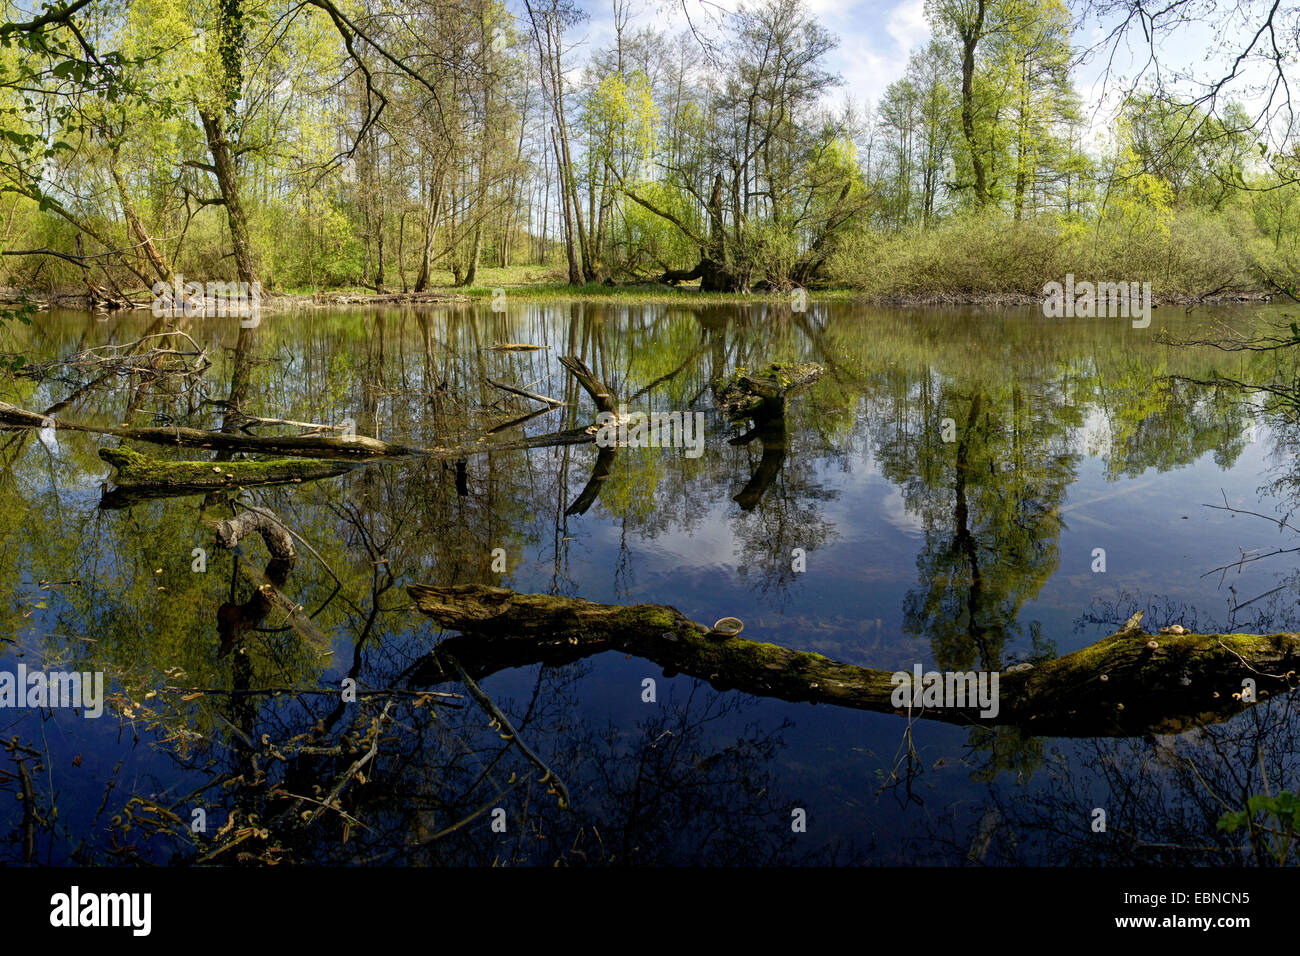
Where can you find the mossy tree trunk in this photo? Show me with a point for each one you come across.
(1127, 684)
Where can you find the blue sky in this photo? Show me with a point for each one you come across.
(876, 37)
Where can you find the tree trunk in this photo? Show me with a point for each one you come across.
(223, 163)
(475, 249)
(430, 231)
(136, 473)
(133, 220)
(970, 36)
(329, 446)
(278, 540)
(575, 274)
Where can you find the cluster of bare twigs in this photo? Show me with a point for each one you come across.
(147, 361)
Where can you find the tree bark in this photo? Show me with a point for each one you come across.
(223, 164)
(133, 220)
(279, 542)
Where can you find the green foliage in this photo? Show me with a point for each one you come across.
(653, 243)
(22, 312)
(1273, 822)
(969, 254)
(1183, 252)
(97, 148)
(309, 246)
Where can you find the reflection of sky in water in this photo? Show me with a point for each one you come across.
(1159, 537)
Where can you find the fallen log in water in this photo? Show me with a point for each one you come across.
(138, 477)
(744, 392)
(369, 298)
(320, 446)
(235, 620)
(1127, 684)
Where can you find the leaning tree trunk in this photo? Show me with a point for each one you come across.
(142, 236)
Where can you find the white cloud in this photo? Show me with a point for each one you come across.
(908, 27)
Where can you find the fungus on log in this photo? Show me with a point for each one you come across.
(1117, 687)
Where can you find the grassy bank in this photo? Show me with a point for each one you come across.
(1188, 255)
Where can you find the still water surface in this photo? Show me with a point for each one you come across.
(955, 481)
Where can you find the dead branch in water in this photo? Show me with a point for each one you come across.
(553, 402)
(139, 478)
(279, 542)
(512, 735)
(600, 393)
(325, 446)
(317, 446)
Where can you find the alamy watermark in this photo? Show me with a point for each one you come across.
(1106, 300)
(77, 909)
(34, 689)
(211, 299)
(651, 430)
(948, 689)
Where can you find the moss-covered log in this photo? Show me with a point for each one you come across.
(138, 477)
(1127, 684)
(746, 392)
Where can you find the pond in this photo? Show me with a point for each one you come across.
(961, 489)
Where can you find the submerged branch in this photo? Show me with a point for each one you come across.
(512, 735)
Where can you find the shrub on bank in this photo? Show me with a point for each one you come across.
(1186, 253)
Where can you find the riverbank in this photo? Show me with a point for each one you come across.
(542, 285)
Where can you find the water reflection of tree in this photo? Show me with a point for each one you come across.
(650, 797)
(289, 778)
(989, 500)
(662, 793)
(1163, 798)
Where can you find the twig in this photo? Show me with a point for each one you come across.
(295, 691)
(511, 734)
(353, 770)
